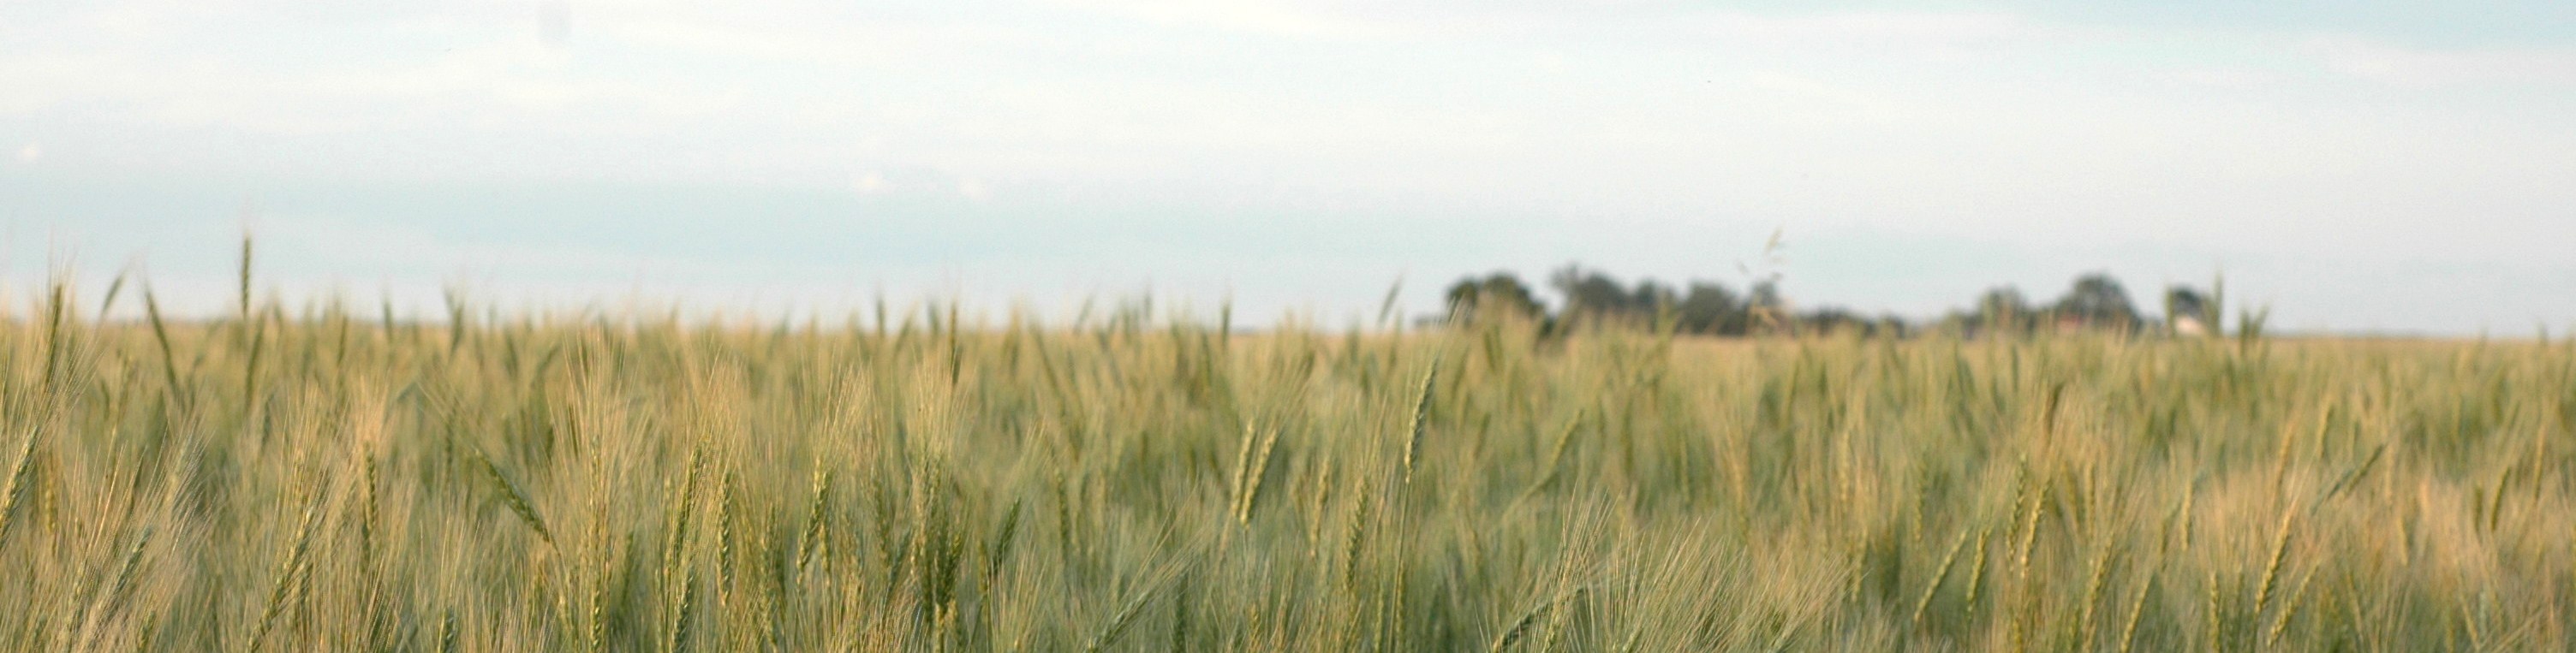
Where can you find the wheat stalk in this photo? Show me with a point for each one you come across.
(2272, 568)
(2093, 596)
(1421, 420)
(290, 571)
(1977, 574)
(1520, 627)
(1948, 560)
(510, 494)
(16, 492)
(2137, 609)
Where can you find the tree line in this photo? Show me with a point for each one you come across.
(1587, 297)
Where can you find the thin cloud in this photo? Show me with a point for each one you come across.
(501, 82)
(1639, 123)
(1244, 16)
(2429, 68)
(1877, 29)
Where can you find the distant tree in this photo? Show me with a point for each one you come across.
(2097, 300)
(1587, 292)
(1710, 308)
(1836, 320)
(1766, 309)
(2002, 310)
(1651, 296)
(2188, 312)
(1496, 295)
(1700, 307)
(1833, 319)
(1894, 326)
(1591, 295)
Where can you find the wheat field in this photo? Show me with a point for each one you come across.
(331, 479)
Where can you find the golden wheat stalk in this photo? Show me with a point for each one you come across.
(2272, 568)
(16, 492)
(2137, 609)
(1942, 573)
(290, 571)
(510, 494)
(1421, 420)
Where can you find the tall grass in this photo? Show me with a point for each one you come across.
(297, 479)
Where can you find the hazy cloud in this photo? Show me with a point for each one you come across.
(2426, 67)
(1652, 133)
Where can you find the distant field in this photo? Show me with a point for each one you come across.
(310, 481)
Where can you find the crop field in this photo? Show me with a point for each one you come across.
(320, 479)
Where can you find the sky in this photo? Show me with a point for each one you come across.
(2384, 167)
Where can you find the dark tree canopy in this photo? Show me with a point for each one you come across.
(1593, 297)
(1497, 295)
(2097, 300)
(2002, 301)
(2187, 302)
(2001, 309)
(1766, 309)
(1594, 294)
(1710, 308)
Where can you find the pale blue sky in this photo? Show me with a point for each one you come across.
(2357, 166)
